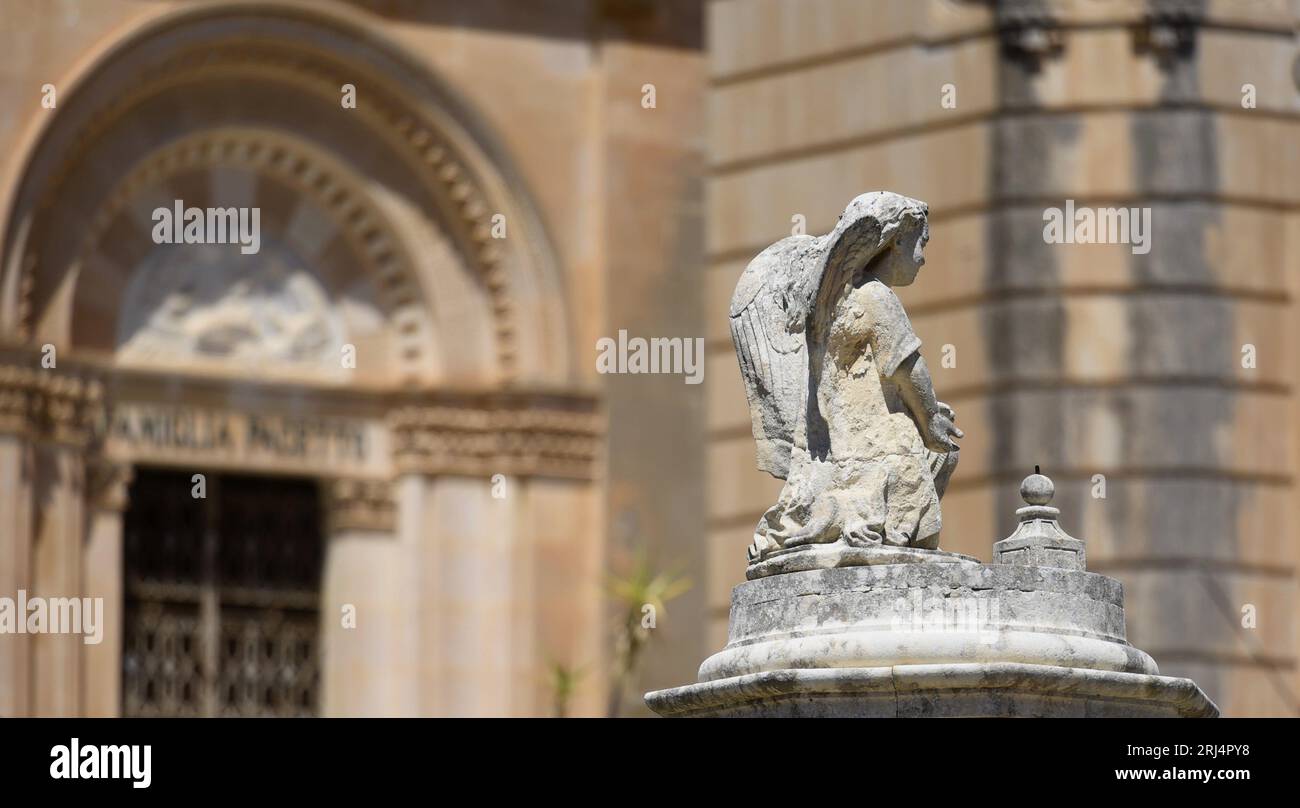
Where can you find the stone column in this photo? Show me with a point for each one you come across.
(57, 566)
(65, 416)
(362, 610)
(415, 675)
(501, 559)
(107, 497)
(561, 562)
(16, 470)
(457, 541)
(509, 572)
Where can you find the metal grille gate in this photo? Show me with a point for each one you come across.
(222, 612)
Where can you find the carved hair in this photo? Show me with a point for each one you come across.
(868, 226)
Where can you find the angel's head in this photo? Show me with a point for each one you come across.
(890, 231)
(880, 236)
(900, 261)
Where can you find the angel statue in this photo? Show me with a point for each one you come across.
(840, 398)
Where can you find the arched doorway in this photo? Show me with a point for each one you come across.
(381, 342)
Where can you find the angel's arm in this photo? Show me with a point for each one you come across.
(935, 425)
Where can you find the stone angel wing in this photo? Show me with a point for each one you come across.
(786, 291)
(768, 335)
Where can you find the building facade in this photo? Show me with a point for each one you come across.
(362, 469)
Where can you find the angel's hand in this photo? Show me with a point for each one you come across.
(939, 433)
(947, 411)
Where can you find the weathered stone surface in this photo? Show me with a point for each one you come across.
(1007, 690)
(1033, 634)
(841, 402)
(901, 614)
(842, 554)
(1039, 540)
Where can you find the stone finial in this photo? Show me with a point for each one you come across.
(1037, 489)
(1039, 540)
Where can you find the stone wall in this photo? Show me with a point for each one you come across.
(1087, 359)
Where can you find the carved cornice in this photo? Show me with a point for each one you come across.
(469, 440)
(51, 405)
(1030, 32)
(546, 434)
(1168, 30)
(356, 504)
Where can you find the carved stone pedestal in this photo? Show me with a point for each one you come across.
(939, 640)
(942, 639)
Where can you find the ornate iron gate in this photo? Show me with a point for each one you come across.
(222, 597)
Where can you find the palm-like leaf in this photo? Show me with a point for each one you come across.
(641, 586)
(635, 589)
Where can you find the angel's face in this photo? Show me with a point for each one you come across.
(907, 254)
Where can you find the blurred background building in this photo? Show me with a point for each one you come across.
(416, 483)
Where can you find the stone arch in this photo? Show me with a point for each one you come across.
(331, 224)
(413, 178)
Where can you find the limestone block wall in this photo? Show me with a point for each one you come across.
(1088, 359)
(810, 105)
